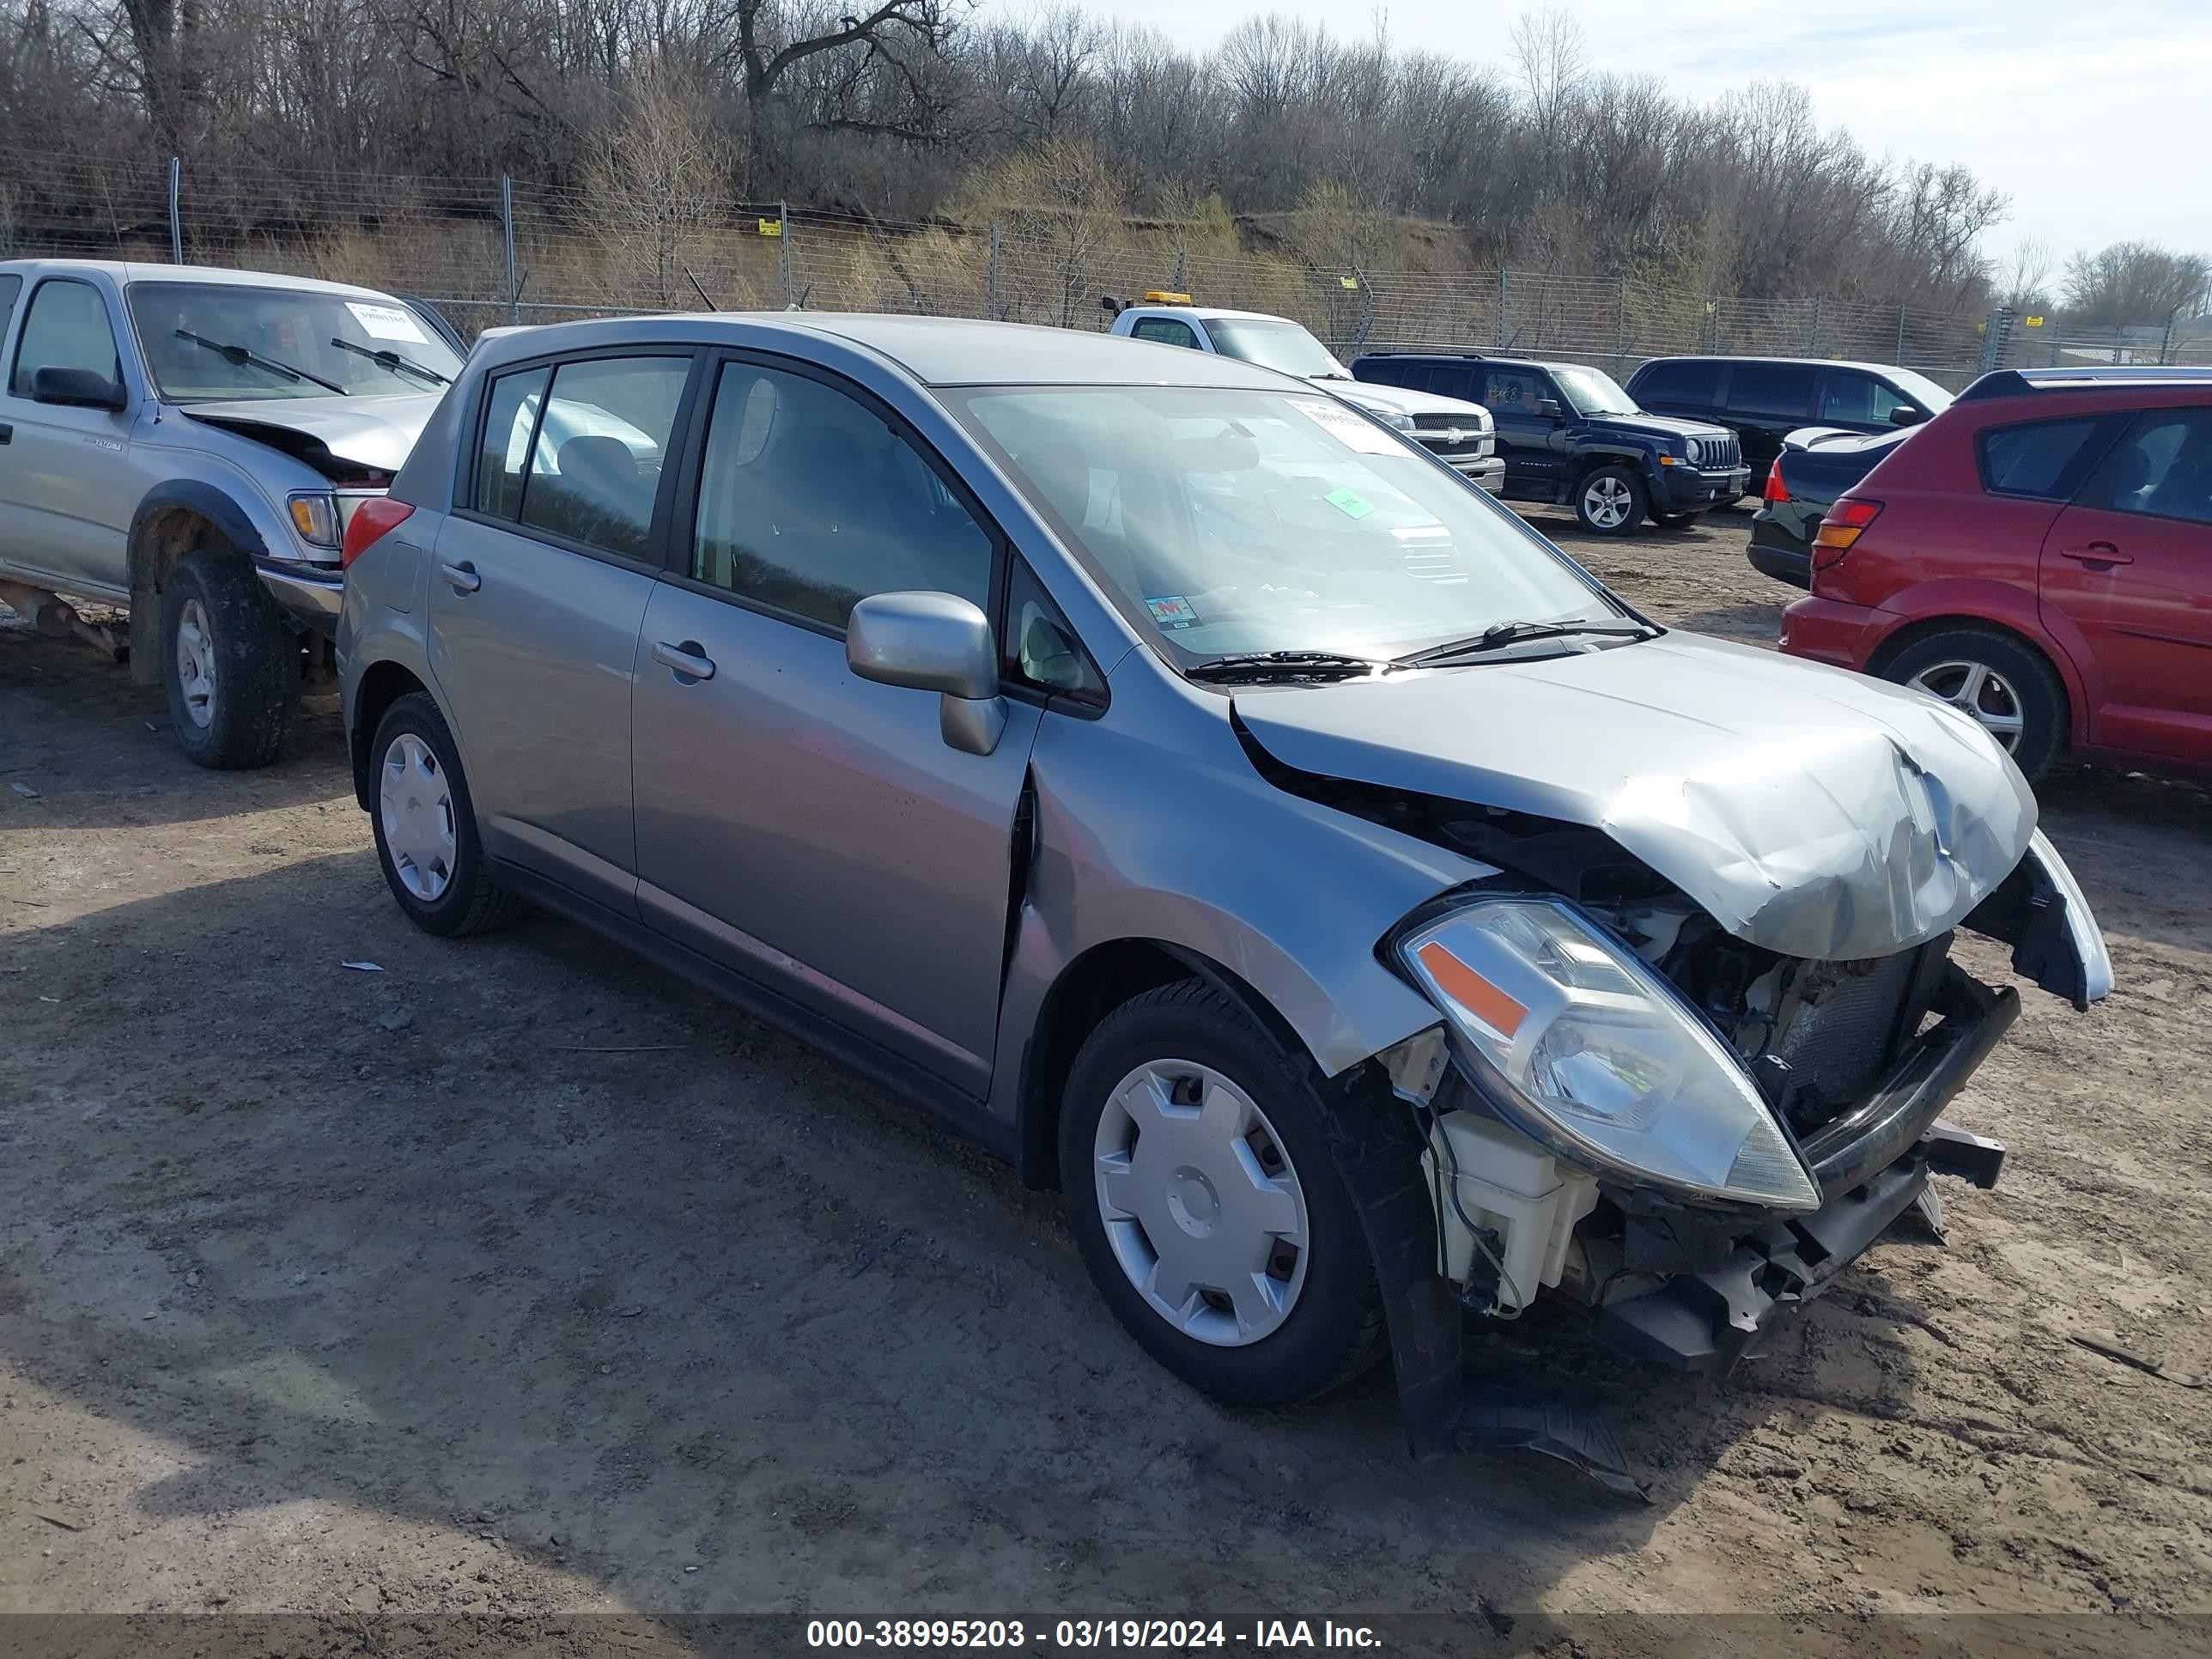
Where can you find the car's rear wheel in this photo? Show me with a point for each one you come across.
(232, 667)
(2008, 686)
(1610, 502)
(1208, 1205)
(426, 827)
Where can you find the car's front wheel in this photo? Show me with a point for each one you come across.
(426, 825)
(1206, 1203)
(1610, 500)
(2011, 691)
(233, 668)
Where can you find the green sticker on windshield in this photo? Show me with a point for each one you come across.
(1349, 503)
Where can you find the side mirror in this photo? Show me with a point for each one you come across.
(933, 642)
(1548, 408)
(1906, 415)
(77, 388)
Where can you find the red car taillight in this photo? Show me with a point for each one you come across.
(1845, 522)
(372, 520)
(1776, 490)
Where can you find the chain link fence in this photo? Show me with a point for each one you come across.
(492, 250)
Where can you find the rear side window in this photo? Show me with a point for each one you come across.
(595, 462)
(1782, 389)
(1164, 331)
(1454, 381)
(510, 422)
(66, 327)
(2162, 468)
(10, 286)
(1391, 371)
(1688, 381)
(2041, 458)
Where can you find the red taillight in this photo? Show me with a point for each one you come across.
(1846, 521)
(371, 521)
(1776, 490)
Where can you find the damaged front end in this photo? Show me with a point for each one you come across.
(1687, 1133)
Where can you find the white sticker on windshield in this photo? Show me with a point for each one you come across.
(387, 323)
(1347, 426)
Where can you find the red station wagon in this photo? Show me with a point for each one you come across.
(2040, 554)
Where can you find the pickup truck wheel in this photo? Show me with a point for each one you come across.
(426, 825)
(2004, 684)
(1205, 1200)
(1610, 502)
(232, 667)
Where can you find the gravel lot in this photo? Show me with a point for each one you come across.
(345, 1291)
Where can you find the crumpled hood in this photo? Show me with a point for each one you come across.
(1385, 398)
(1814, 812)
(376, 432)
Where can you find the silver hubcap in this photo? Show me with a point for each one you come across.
(1981, 691)
(1605, 503)
(418, 817)
(196, 663)
(1200, 1203)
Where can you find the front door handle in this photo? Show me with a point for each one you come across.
(7, 433)
(2098, 555)
(463, 576)
(686, 659)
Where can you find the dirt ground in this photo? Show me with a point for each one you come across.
(343, 1291)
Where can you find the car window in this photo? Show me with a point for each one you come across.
(1512, 392)
(809, 501)
(2162, 468)
(595, 460)
(510, 421)
(1455, 380)
(1783, 389)
(1387, 371)
(1690, 380)
(2043, 458)
(1041, 649)
(66, 327)
(1164, 331)
(1846, 396)
(10, 286)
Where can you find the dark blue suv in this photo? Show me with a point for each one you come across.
(1570, 436)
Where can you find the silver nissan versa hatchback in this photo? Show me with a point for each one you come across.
(1202, 796)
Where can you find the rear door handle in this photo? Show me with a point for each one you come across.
(7, 433)
(463, 576)
(686, 659)
(2098, 555)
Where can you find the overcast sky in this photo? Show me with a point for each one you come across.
(2095, 118)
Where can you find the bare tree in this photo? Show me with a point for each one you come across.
(2136, 283)
(2024, 281)
(652, 192)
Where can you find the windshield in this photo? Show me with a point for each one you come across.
(1592, 392)
(1224, 522)
(232, 342)
(1283, 347)
(1932, 398)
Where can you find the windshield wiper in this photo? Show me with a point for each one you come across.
(393, 360)
(1285, 665)
(239, 353)
(1513, 633)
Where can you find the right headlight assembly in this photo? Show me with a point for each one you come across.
(1585, 1047)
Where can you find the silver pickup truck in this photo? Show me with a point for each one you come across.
(191, 443)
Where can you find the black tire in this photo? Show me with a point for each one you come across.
(1334, 1329)
(2019, 668)
(470, 901)
(1608, 479)
(234, 710)
(1675, 520)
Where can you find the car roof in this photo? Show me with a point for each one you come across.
(132, 272)
(937, 351)
(1795, 362)
(2118, 378)
(1549, 365)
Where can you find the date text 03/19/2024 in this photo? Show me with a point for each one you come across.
(1084, 1634)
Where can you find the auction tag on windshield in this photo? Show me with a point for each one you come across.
(1347, 426)
(1349, 503)
(1174, 612)
(387, 323)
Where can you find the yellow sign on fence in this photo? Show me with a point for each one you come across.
(1349, 282)
(771, 227)
(2033, 322)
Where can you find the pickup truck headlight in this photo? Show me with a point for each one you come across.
(1396, 420)
(1584, 1046)
(315, 516)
